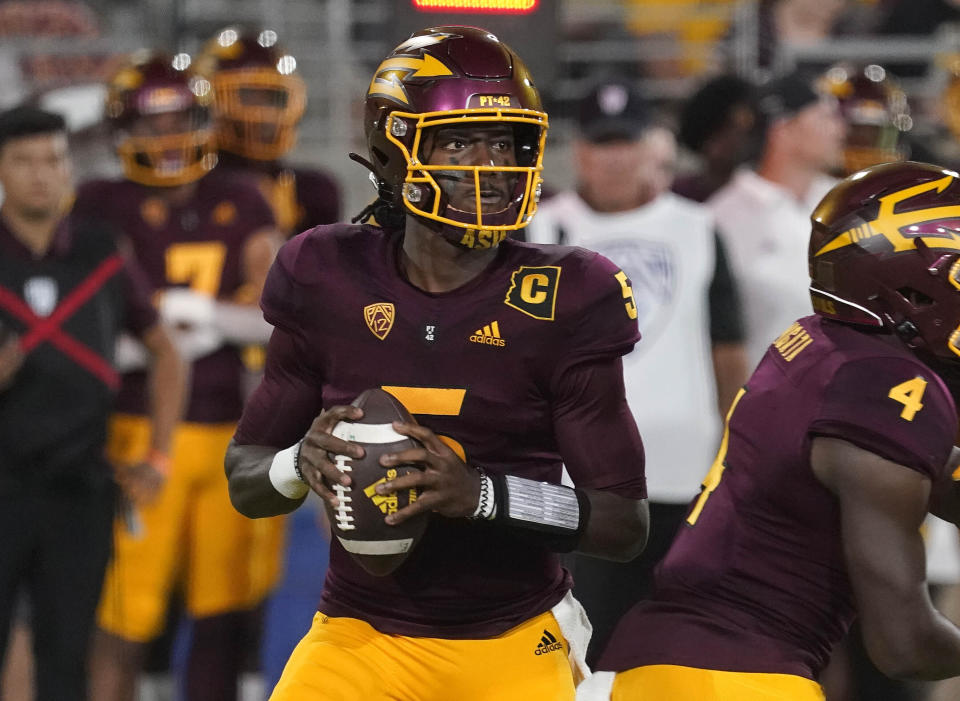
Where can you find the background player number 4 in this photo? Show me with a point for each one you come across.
(908, 393)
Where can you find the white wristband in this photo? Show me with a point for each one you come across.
(283, 473)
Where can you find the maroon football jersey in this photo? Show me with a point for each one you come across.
(756, 580)
(514, 367)
(198, 244)
(301, 198)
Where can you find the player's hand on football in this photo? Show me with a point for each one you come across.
(141, 482)
(448, 485)
(316, 465)
(11, 358)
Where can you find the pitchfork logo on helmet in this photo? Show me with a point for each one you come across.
(885, 252)
(455, 77)
(158, 109)
(259, 96)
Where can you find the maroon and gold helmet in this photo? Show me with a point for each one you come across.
(259, 96)
(885, 253)
(159, 112)
(876, 111)
(950, 97)
(454, 76)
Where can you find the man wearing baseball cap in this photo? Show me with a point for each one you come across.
(687, 309)
(763, 213)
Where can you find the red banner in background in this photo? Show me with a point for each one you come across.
(51, 42)
(493, 7)
(44, 70)
(47, 18)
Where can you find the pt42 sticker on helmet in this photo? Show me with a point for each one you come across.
(489, 101)
(533, 291)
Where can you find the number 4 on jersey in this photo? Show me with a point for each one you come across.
(712, 480)
(909, 394)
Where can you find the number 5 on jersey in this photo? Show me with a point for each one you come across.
(434, 401)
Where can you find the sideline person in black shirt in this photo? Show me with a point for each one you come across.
(65, 295)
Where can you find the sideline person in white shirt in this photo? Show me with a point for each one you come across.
(691, 359)
(763, 214)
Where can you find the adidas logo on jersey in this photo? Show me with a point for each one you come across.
(548, 643)
(489, 335)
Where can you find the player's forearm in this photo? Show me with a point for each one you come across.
(617, 528)
(168, 387)
(241, 324)
(945, 492)
(563, 519)
(926, 646)
(252, 492)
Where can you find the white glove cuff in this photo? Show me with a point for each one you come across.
(180, 305)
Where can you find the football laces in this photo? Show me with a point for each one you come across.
(344, 512)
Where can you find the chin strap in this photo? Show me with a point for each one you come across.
(382, 208)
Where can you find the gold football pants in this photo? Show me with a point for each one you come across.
(344, 659)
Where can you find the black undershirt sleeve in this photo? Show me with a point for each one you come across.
(726, 312)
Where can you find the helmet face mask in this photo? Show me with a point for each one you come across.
(259, 97)
(885, 253)
(502, 196)
(161, 122)
(869, 144)
(459, 81)
(257, 112)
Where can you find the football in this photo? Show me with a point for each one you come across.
(359, 523)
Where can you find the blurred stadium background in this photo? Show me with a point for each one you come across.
(56, 52)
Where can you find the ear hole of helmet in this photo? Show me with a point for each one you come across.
(381, 157)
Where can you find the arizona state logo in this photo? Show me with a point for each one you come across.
(379, 317)
(890, 223)
(388, 80)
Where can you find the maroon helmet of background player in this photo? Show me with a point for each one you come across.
(158, 110)
(885, 253)
(876, 111)
(259, 96)
(447, 76)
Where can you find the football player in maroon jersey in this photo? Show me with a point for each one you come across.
(509, 356)
(206, 242)
(832, 456)
(259, 101)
